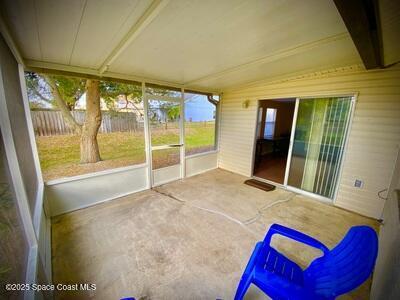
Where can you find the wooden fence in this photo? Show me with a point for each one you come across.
(51, 122)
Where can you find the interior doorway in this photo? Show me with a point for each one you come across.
(274, 126)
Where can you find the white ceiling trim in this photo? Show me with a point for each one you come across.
(10, 41)
(274, 56)
(331, 70)
(149, 15)
(35, 65)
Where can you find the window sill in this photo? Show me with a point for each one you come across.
(201, 154)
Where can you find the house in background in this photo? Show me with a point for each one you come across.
(198, 110)
(120, 105)
(309, 102)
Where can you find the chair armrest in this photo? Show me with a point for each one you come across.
(295, 235)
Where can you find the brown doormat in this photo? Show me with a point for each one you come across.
(260, 185)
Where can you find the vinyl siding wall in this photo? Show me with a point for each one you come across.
(374, 133)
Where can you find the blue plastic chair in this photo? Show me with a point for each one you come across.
(337, 272)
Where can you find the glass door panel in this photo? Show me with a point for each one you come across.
(318, 144)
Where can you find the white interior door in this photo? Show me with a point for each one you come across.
(165, 123)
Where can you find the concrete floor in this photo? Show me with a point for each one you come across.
(189, 239)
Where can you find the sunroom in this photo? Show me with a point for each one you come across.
(147, 146)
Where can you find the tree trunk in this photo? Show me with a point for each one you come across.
(89, 147)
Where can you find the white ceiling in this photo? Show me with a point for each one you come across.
(205, 44)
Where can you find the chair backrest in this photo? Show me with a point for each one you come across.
(346, 266)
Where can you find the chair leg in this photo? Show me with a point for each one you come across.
(247, 276)
(244, 284)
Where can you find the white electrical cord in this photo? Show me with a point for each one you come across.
(201, 208)
(265, 207)
(244, 223)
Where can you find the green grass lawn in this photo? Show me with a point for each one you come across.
(59, 155)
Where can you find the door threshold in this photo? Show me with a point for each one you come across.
(297, 191)
(269, 182)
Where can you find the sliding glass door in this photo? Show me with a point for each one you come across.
(318, 144)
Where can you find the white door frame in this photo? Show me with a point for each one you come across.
(285, 184)
(291, 142)
(150, 148)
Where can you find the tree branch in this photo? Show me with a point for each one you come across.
(136, 108)
(41, 96)
(62, 105)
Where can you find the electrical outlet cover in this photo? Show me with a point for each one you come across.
(358, 183)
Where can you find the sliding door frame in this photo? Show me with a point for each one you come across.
(345, 143)
(338, 176)
(291, 142)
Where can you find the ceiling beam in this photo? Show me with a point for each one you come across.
(34, 65)
(67, 70)
(149, 15)
(361, 18)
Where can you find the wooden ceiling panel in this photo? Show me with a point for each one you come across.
(341, 53)
(192, 39)
(58, 23)
(103, 25)
(206, 44)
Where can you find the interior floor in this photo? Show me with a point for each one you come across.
(271, 167)
(190, 239)
(275, 118)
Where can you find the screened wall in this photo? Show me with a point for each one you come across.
(200, 129)
(59, 113)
